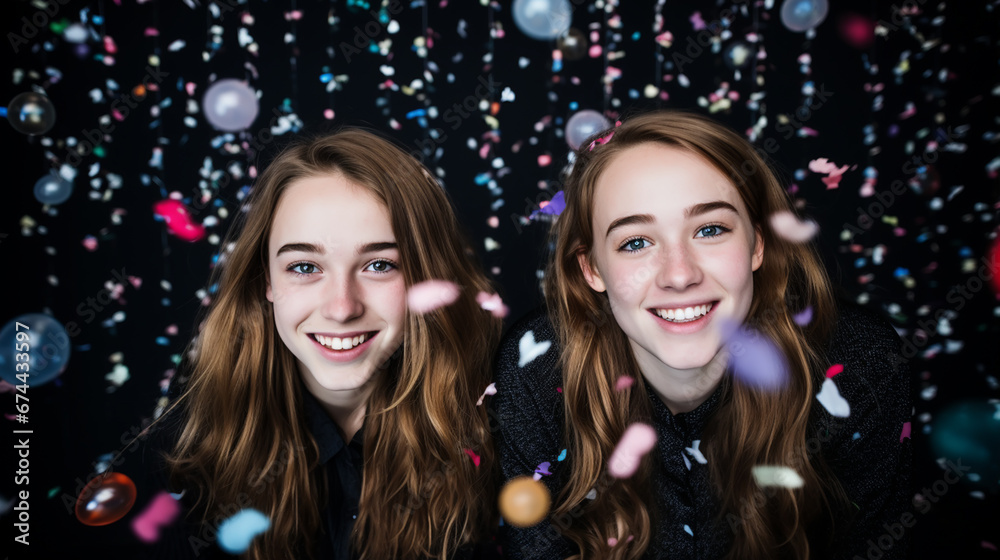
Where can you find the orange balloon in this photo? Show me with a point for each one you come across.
(105, 499)
(524, 502)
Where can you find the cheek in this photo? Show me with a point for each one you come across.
(628, 280)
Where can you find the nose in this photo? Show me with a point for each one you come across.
(342, 299)
(678, 267)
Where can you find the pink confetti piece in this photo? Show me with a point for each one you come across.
(544, 160)
(136, 282)
(179, 220)
(989, 545)
(161, 512)
(151, 32)
(473, 456)
(789, 227)
(493, 304)
(109, 45)
(803, 317)
(834, 370)
(834, 173)
(431, 294)
(905, 433)
(6, 387)
(637, 440)
(624, 382)
(90, 243)
(491, 389)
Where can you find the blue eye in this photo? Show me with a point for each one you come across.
(381, 266)
(713, 230)
(302, 268)
(634, 244)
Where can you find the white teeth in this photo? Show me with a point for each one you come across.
(683, 315)
(340, 343)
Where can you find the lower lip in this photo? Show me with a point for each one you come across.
(688, 327)
(344, 355)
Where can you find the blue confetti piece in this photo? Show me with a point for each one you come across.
(325, 78)
(965, 252)
(562, 455)
(573, 106)
(416, 113)
(162, 341)
(98, 20)
(482, 178)
(687, 529)
(557, 65)
(236, 532)
(857, 435)
(3, 111)
(860, 262)
(901, 272)
(636, 35)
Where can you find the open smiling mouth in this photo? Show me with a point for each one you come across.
(686, 314)
(343, 343)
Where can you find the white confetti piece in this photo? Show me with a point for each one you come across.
(529, 349)
(831, 400)
(768, 475)
(695, 452)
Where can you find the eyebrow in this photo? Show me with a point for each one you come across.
(311, 248)
(695, 210)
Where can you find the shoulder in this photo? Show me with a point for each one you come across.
(870, 351)
(875, 380)
(862, 331)
(529, 354)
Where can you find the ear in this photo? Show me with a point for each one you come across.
(267, 292)
(758, 250)
(590, 274)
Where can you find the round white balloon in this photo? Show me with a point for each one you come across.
(544, 20)
(803, 15)
(583, 125)
(230, 105)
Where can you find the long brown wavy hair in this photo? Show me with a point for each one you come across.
(750, 427)
(245, 439)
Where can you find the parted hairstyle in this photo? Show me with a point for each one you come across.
(750, 427)
(245, 432)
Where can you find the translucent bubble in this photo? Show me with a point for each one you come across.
(967, 433)
(542, 19)
(105, 499)
(803, 15)
(583, 125)
(31, 113)
(40, 343)
(573, 44)
(230, 105)
(53, 189)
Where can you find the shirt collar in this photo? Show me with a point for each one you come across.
(687, 422)
(323, 429)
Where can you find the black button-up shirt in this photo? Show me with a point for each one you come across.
(865, 450)
(342, 464)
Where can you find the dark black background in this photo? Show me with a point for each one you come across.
(82, 416)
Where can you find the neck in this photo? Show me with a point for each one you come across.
(683, 390)
(346, 408)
